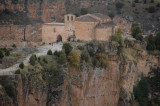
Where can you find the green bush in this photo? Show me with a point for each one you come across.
(150, 43)
(152, 1)
(0, 61)
(136, 1)
(157, 41)
(32, 60)
(62, 58)
(18, 71)
(67, 47)
(136, 31)
(21, 65)
(57, 53)
(49, 52)
(74, 58)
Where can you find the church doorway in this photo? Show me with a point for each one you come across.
(59, 38)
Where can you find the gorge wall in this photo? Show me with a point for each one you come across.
(78, 87)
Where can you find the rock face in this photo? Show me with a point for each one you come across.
(44, 10)
(78, 87)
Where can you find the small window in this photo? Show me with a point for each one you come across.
(71, 18)
(54, 30)
(67, 18)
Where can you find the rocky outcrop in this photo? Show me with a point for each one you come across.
(39, 10)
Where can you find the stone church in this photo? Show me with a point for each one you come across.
(86, 27)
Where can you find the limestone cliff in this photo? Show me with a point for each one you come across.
(85, 86)
(34, 10)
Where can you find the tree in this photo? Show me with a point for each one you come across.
(136, 32)
(85, 56)
(74, 58)
(111, 15)
(141, 91)
(18, 71)
(84, 11)
(32, 60)
(49, 52)
(1, 55)
(151, 9)
(7, 53)
(67, 47)
(150, 43)
(21, 65)
(152, 1)
(57, 53)
(118, 37)
(157, 41)
(119, 5)
(62, 58)
(154, 83)
(136, 1)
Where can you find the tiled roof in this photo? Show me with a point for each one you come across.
(101, 16)
(86, 18)
(106, 24)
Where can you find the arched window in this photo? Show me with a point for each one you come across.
(71, 18)
(67, 18)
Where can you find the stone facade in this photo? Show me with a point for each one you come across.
(86, 27)
(52, 32)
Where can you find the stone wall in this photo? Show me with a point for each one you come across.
(85, 30)
(50, 32)
(14, 34)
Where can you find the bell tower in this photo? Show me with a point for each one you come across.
(69, 21)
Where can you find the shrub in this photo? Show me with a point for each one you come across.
(74, 58)
(151, 9)
(119, 5)
(14, 46)
(157, 41)
(80, 47)
(136, 31)
(141, 91)
(18, 71)
(0, 61)
(101, 48)
(21, 65)
(67, 47)
(111, 15)
(118, 38)
(45, 61)
(62, 58)
(49, 52)
(150, 43)
(32, 60)
(152, 1)
(85, 56)
(101, 60)
(136, 1)
(7, 53)
(57, 53)
(1, 54)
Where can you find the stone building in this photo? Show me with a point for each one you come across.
(86, 27)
